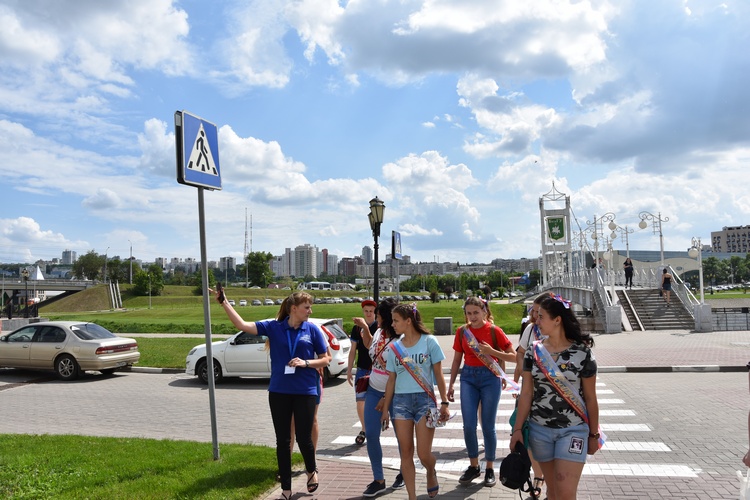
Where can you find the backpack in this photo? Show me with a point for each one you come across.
(515, 470)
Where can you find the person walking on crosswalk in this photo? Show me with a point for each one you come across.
(414, 367)
(480, 387)
(558, 397)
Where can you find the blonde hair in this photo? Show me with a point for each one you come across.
(294, 299)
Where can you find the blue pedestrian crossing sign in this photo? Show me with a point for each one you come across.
(197, 145)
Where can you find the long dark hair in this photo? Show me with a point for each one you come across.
(384, 310)
(571, 327)
(411, 312)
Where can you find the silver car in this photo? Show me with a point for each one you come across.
(245, 355)
(67, 348)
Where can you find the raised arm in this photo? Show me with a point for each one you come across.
(236, 319)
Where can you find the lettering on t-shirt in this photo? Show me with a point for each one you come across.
(419, 358)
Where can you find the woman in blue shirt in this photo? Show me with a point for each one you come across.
(298, 349)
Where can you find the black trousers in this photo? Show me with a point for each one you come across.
(629, 279)
(284, 407)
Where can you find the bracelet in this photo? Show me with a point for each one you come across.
(444, 403)
(515, 430)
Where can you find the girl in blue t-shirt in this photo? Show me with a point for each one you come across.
(298, 349)
(411, 400)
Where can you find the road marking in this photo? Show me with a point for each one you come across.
(650, 470)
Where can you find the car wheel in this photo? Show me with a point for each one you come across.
(66, 367)
(202, 371)
(326, 376)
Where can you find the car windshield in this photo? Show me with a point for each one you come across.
(91, 331)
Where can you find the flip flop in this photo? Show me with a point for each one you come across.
(312, 487)
(360, 439)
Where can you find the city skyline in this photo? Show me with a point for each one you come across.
(459, 118)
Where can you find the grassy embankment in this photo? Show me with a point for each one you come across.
(179, 311)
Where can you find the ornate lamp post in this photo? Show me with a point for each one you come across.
(598, 230)
(626, 232)
(696, 252)
(377, 207)
(656, 221)
(25, 276)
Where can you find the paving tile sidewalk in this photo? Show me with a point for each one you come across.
(628, 351)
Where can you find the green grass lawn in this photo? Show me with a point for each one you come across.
(76, 467)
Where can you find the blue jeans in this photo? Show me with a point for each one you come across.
(479, 384)
(372, 432)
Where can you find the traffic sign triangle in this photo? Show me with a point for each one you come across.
(201, 158)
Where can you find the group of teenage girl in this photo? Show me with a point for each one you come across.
(405, 388)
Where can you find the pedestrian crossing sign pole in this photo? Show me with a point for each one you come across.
(197, 147)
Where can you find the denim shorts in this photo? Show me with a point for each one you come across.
(569, 443)
(412, 406)
(361, 372)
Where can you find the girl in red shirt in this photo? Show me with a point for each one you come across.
(479, 385)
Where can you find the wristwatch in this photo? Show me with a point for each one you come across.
(307, 365)
(596, 436)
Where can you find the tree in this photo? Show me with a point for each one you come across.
(153, 278)
(259, 269)
(117, 270)
(196, 280)
(88, 266)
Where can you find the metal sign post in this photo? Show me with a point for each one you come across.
(197, 148)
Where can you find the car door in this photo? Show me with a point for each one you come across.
(15, 351)
(49, 341)
(247, 356)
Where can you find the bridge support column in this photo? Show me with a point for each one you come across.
(703, 318)
(613, 315)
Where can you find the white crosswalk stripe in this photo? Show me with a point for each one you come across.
(449, 439)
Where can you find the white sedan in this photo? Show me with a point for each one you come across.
(245, 355)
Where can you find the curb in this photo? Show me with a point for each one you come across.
(148, 369)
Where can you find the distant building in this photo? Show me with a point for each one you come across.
(69, 257)
(367, 255)
(735, 239)
(306, 260)
(226, 263)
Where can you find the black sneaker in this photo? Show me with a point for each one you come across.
(489, 478)
(374, 489)
(470, 474)
(398, 483)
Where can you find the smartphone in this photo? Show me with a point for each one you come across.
(384, 425)
(220, 289)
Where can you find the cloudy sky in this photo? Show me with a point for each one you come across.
(458, 114)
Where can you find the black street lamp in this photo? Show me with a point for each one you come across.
(25, 276)
(377, 207)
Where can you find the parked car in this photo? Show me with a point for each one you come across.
(268, 302)
(68, 348)
(243, 302)
(245, 355)
(231, 302)
(278, 302)
(256, 302)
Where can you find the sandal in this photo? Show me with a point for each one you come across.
(536, 491)
(433, 492)
(360, 439)
(312, 486)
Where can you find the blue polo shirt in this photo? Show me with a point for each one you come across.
(305, 342)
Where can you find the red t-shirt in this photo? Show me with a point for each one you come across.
(483, 335)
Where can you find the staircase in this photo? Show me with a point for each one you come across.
(652, 310)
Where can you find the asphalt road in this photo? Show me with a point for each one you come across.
(671, 435)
